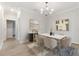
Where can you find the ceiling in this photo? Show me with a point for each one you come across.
(57, 6)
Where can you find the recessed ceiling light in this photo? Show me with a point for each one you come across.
(12, 9)
(0, 7)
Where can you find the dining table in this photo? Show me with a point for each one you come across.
(57, 37)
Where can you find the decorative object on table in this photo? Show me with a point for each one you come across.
(62, 25)
(51, 33)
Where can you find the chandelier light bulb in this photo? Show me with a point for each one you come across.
(52, 10)
(41, 10)
(47, 8)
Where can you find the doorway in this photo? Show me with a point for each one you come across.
(10, 29)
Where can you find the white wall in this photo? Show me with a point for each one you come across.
(1, 25)
(23, 23)
(73, 16)
(48, 24)
(2, 28)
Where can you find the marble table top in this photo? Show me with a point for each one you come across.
(56, 36)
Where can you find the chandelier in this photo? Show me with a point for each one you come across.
(46, 10)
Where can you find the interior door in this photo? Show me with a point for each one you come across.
(10, 29)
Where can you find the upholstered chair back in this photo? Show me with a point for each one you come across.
(66, 42)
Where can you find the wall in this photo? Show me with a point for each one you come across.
(23, 23)
(73, 16)
(2, 28)
(48, 23)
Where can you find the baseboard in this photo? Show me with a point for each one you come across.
(11, 38)
(75, 45)
(23, 41)
(1, 45)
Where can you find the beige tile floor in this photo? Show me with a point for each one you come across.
(13, 48)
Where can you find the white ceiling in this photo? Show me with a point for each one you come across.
(57, 6)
